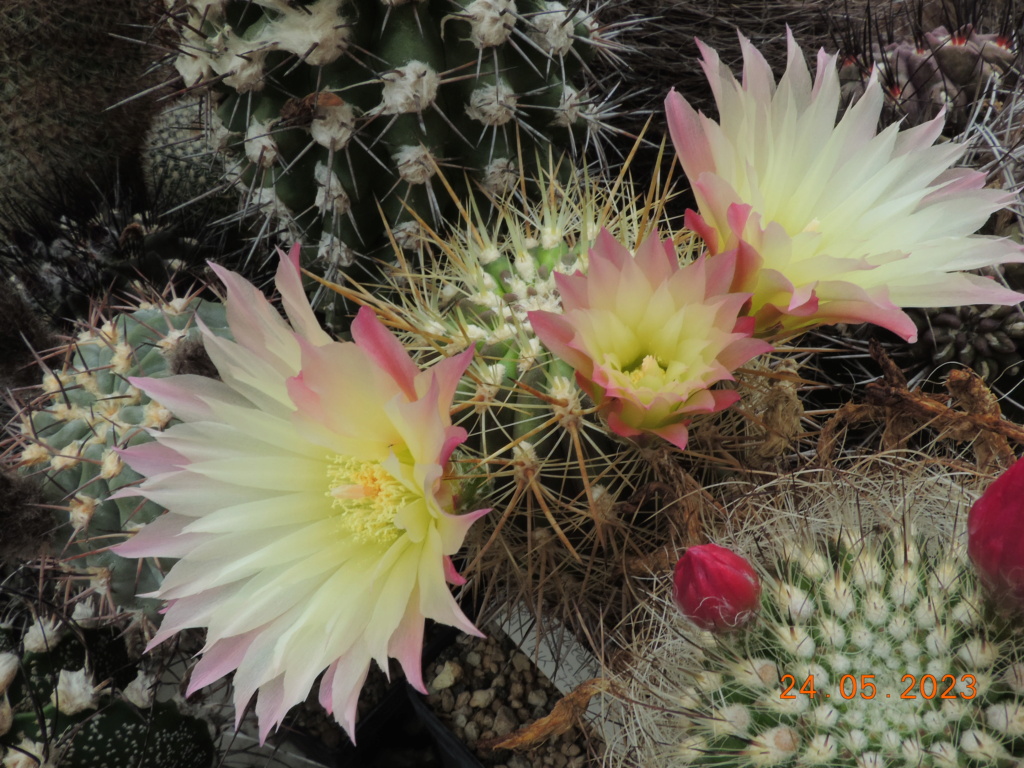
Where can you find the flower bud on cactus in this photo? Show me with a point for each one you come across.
(715, 588)
(995, 541)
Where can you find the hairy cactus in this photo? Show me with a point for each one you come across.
(874, 645)
(70, 697)
(70, 433)
(337, 111)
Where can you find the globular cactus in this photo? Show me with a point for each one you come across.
(70, 697)
(954, 66)
(67, 436)
(985, 338)
(338, 110)
(874, 646)
(567, 493)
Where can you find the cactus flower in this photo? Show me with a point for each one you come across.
(831, 222)
(308, 503)
(716, 588)
(648, 337)
(995, 536)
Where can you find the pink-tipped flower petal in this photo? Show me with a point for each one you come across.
(648, 337)
(348, 442)
(823, 202)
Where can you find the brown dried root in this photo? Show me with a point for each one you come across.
(969, 414)
(567, 713)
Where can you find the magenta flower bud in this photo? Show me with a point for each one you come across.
(995, 536)
(715, 588)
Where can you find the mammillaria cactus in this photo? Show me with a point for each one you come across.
(70, 696)
(333, 106)
(70, 434)
(874, 645)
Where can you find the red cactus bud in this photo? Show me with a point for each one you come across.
(995, 536)
(715, 588)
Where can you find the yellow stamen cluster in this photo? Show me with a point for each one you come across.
(368, 496)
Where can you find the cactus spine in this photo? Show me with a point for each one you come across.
(331, 108)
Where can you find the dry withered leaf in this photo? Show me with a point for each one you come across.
(566, 713)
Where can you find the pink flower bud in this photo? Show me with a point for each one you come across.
(995, 536)
(716, 589)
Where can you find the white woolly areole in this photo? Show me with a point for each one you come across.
(552, 29)
(568, 111)
(141, 691)
(408, 235)
(410, 88)
(415, 164)
(500, 176)
(239, 59)
(490, 21)
(317, 32)
(260, 146)
(75, 692)
(29, 754)
(43, 635)
(492, 105)
(334, 252)
(333, 125)
(330, 196)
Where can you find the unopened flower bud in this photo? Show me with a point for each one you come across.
(715, 588)
(995, 536)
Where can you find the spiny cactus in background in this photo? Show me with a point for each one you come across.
(874, 645)
(961, 57)
(69, 434)
(70, 696)
(65, 253)
(986, 338)
(332, 108)
(571, 500)
(64, 64)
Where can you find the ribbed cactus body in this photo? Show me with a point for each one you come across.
(88, 410)
(339, 111)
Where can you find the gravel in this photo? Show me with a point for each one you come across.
(483, 688)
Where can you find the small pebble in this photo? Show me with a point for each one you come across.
(536, 698)
(463, 700)
(447, 700)
(521, 662)
(499, 681)
(460, 720)
(572, 750)
(472, 731)
(505, 721)
(482, 698)
(559, 760)
(516, 691)
(518, 761)
(473, 659)
(450, 673)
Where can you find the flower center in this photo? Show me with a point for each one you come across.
(368, 497)
(648, 374)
